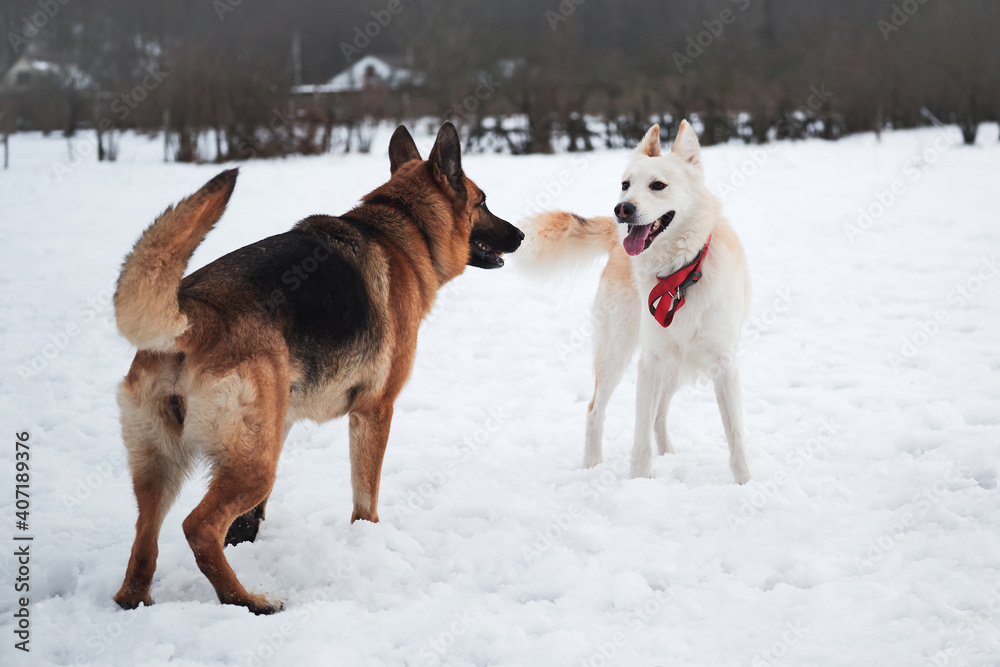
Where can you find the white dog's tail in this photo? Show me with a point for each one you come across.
(557, 242)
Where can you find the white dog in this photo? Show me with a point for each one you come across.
(676, 282)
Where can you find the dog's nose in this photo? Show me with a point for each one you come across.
(624, 210)
(520, 234)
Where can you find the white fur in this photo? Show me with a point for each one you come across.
(704, 334)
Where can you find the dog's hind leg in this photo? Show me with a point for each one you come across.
(155, 484)
(727, 393)
(616, 333)
(250, 422)
(670, 383)
(233, 491)
(159, 465)
(369, 435)
(246, 526)
(609, 366)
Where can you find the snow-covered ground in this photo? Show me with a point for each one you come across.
(871, 369)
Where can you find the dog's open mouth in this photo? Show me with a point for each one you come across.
(489, 257)
(641, 236)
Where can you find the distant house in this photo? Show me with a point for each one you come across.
(23, 73)
(26, 73)
(370, 73)
(374, 87)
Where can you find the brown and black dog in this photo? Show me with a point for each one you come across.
(315, 323)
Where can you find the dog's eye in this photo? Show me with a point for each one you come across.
(625, 185)
(657, 185)
(482, 204)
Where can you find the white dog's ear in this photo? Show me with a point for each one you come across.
(650, 144)
(686, 145)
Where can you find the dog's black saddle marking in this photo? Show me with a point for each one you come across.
(304, 281)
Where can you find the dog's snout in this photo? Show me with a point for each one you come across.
(624, 210)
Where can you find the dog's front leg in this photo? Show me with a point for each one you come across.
(667, 391)
(727, 393)
(649, 385)
(369, 434)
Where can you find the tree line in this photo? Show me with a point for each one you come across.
(528, 76)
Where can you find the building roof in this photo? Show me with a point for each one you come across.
(70, 75)
(369, 70)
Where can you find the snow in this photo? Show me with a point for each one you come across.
(869, 536)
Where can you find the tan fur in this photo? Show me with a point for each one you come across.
(215, 378)
(557, 241)
(146, 307)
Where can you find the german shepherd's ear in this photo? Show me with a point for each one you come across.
(650, 144)
(402, 149)
(446, 161)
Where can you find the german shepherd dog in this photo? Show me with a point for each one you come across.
(668, 245)
(315, 323)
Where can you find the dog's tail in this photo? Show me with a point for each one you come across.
(146, 306)
(557, 242)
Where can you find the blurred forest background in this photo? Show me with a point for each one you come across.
(237, 79)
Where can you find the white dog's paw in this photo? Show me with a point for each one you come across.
(592, 457)
(741, 473)
(641, 470)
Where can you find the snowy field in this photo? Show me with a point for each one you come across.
(871, 370)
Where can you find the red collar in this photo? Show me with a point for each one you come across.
(674, 286)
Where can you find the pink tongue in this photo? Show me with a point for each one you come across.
(636, 239)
